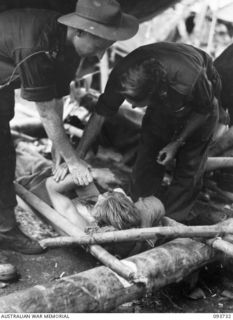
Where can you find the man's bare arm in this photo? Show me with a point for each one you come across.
(56, 157)
(91, 131)
(53, 125)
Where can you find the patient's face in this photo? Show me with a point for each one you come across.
(105, 198)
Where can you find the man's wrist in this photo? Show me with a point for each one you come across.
(72, 162)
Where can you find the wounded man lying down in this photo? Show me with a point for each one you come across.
(111, 210)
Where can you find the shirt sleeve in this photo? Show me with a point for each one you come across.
(203, 94)
(66, 66)
(110, 101)
(37, 76)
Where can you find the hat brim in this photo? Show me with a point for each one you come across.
(126, 30)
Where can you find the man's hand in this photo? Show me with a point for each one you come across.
(80, 173)
(60, 172)
(52, 122)
(168, 153)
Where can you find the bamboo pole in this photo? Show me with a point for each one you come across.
(229, 238)
(223, 144)
(143, 234)
(19, 135)
(58, 242)
(73, 131)
(101, 290)
(222, 245)
(63, 224)
(214, 163)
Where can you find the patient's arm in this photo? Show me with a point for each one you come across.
(63, 204)
(103, 176)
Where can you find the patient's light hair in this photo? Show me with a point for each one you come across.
(117, 210)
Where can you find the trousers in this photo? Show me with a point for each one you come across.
(191, 158)
(7, 161)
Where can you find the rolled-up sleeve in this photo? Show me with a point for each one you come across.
(37, 76)
(110, 101)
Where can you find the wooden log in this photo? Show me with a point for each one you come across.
(143, 234)
(229, 238)
(224, 143)
(19, 135)
(31, 126)
(101, 290)
(73, 131)
(166, 221)
(222, 245)
(71, 230)
(58, 242)
(214, 163)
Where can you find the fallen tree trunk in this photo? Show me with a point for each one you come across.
(101, 290)
(142, 234)
(63, 224)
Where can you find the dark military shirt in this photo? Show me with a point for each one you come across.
(224, 66)
(33, 41)
(190, 76)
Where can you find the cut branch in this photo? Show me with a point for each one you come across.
(222, 245)
(143, 234)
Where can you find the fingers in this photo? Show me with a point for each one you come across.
(82, 178)
(56, 174)
(162, 157)
(63, 173)
(60, 173)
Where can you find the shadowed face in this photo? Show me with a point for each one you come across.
(86, 44)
